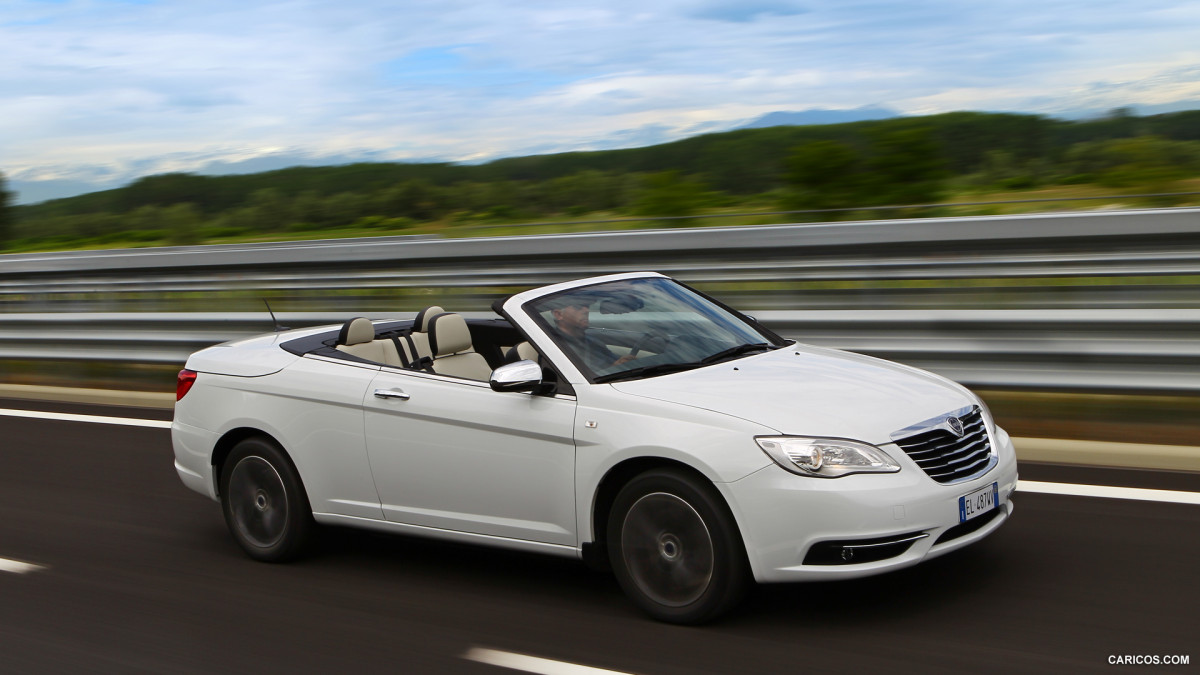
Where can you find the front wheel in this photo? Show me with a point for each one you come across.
(265, 506)
(675, 549)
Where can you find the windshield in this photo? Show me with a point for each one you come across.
(635, 328)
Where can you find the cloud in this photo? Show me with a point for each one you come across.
(743, 11)
(145, 86)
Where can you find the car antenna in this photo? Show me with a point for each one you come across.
(273, 319)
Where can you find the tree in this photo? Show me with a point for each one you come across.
(583, 192)
(415, 198)
(825, 175)
(182, 222)
(906, 167)
(6, 212)
(170, 188)
(271, 211)
(669, 194)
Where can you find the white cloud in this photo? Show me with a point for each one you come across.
(96, 86)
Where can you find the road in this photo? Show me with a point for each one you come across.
(136, 574)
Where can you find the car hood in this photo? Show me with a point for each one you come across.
(812, 391)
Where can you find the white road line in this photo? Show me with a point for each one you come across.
(95, 419)
(18, 567)
(533, 664)
(1144, 494)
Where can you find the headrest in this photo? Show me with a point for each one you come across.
(356, 331)
(521, 352)
(448, 334)
(421, 322)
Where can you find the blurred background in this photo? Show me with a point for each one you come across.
(1003, 192)
(838, 170)
(1072, 303)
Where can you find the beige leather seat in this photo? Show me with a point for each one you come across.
(421, 322)
(450, 341)
(522, 352)
(416, 346)
(357, 338)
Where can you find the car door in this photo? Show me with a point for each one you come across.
(452, 454)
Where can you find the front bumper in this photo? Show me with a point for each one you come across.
(783, 516)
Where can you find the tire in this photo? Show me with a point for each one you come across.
(264, 503)
(675, 549)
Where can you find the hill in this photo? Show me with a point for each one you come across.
(862, 163)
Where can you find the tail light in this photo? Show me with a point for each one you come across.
(184, 383)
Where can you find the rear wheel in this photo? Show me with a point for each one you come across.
(675, 549)
(265, 506)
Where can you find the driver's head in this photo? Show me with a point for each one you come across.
(572, 317)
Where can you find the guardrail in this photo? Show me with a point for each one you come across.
(1125, 317)
(1084, 350)
(1130, 249)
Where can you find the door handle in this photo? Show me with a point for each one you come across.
(391, 393)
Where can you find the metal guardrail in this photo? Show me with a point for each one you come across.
(1015, 254)
(1087, 350)
(1124, 346)
(1042, 242)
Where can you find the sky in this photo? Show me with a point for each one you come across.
(98, 92)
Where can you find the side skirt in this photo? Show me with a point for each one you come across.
(448, 535)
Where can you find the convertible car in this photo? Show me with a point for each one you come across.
(626, 420)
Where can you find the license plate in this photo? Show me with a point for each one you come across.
(978, 502)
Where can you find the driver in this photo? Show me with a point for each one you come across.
(571, 320)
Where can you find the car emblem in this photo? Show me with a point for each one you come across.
(955, 426)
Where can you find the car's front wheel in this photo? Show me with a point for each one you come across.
(675, 548)
(264, 502)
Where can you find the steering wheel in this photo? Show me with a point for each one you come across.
(646, 339)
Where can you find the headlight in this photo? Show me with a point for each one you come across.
(826, 457)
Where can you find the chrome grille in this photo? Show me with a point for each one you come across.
(942, 454)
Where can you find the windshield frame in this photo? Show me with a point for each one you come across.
(590, 375)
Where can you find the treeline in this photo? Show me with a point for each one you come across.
(905, 160)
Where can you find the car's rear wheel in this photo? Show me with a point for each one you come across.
(675, 548)
(264, 503)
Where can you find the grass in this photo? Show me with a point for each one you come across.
(469, 225)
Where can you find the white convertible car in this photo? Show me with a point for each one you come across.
(627, 420)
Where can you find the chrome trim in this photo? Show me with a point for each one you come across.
(939, 422)
(942, 422)
(520, 376)
(956, 426)
(893, 542)
(391, 393)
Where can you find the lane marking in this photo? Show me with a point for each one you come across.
(533, 664)
(18, 567)
(1143, 494)
(95, 419)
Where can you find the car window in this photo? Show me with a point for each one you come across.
(643, 327)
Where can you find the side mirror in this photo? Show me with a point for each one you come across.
(519, 376)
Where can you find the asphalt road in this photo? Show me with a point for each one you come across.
(139, 576)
